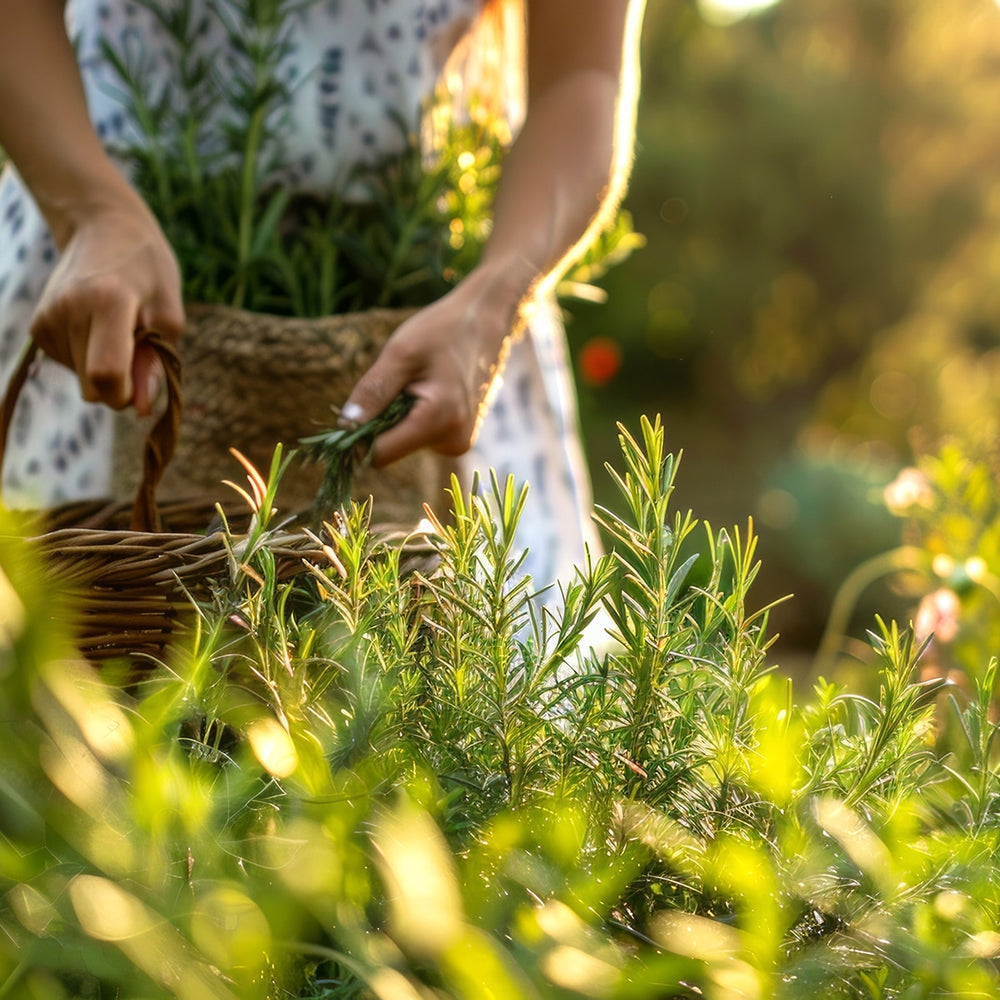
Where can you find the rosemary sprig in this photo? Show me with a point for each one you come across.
(343, 451)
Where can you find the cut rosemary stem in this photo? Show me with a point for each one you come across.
(342, 451)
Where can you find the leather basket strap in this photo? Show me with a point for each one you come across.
(160, 442)
(13, 391)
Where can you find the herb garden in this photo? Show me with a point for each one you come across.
(379, 781)
(401, 773)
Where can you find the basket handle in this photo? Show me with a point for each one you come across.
(160, 442)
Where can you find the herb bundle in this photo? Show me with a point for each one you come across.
(207, 159)
(342, 450)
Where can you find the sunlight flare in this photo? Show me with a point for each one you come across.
(725, 12)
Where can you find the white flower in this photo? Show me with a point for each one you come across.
(908, 490)
(938, 616)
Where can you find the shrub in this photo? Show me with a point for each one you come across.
(385, 781)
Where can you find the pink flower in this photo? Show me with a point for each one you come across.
(909, 489)
(938, 616)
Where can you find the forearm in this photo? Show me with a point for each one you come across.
(116, 273)
(44, 124)
(558, 181)
(568, 167)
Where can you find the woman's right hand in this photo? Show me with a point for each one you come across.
(116, 277)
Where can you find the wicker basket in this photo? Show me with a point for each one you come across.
(253, 380)
(134, 568)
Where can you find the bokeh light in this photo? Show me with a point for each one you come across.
(725, 12)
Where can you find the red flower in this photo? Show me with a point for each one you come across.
(599, 360)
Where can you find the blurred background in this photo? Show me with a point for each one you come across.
(818, 183)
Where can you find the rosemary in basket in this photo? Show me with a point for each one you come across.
(205, 153)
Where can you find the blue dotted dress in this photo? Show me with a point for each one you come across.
(358, 68)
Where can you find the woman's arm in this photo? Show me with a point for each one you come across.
(116, 273)
(568, 168)
(561, 181)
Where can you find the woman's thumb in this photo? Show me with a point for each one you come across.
(373, 392)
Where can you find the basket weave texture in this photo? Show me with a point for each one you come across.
(135, 569)
(251, 381)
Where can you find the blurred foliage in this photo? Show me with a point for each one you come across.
(948, 566)
(412, 786)
(817, 185)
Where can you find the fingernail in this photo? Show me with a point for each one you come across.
(352, 412)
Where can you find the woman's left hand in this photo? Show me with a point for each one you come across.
(561, 181)
(447, 356)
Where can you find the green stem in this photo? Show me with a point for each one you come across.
(906, 557)
(14, 978)
(248, 190)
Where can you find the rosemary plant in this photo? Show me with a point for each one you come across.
(396, 781)
(205, 153)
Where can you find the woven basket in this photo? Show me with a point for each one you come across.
(134, 568)
(251, 381)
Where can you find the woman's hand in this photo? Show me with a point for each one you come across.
(561, 182)
(447, 355)
(117, 276)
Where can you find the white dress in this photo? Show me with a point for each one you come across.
(358, 66)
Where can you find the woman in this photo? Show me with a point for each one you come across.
(84, 265)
